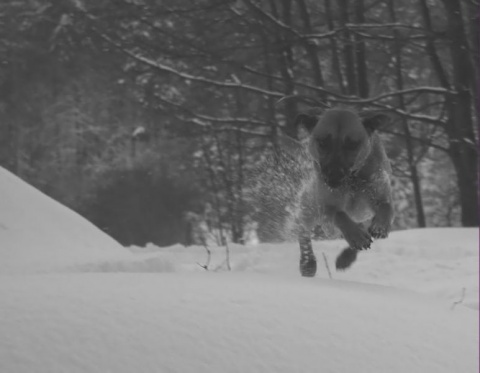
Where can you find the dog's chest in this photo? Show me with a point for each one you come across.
(354, 201)
(357, 206)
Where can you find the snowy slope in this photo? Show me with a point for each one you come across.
(73, 300)
(440, 262)
(227, 322)
(37, 233)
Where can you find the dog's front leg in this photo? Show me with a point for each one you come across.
(354, 234)
(306, 220)
(382, 221)
(308, 262)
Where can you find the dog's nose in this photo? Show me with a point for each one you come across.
(334, 172)
(334, 176)
(334, 183)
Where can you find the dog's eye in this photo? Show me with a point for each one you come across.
(323, 143)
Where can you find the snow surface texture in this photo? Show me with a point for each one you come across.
(90, 310)
(39, 234)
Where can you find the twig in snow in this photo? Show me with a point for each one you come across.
(227, 259)
(209, 255)
(326, 265)
(226, 262)
(459, 301)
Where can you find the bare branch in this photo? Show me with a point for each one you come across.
(213, 119)
(209, 255)
(207, 125)
(431, 90)
(278, 23)
(384, 25)
(460, 300)
(405, 114)
(326, 265)
(420, 140)
(167, 69)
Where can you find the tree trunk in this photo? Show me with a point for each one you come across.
(459, 126)
(310, 46)
(226, 171)
(472, 20)
(430, 46)
(215, 189)
(348, 49)
(285, 65)
(463, 149)
(406, 129)
(11, 126)
(270, 101)
(360, 53)
(239, 184)
(336, 66)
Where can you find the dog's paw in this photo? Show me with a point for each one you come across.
(379, 230)
(358, 239)
(308, 266)
(345, 259)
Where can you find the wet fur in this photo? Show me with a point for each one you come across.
(360, 207)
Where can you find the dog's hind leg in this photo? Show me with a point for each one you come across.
(308, 262)
(306, 220)
(345, 259)
(348, 255)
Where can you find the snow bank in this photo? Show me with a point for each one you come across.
(227, 322)
(63, 310)
(443, 262)
(38, 233)
(436, 261)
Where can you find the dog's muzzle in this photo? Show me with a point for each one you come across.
(334, 177)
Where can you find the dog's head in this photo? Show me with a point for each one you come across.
(340, 141)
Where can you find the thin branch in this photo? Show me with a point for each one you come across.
(326, 265)
(391, 38)
(187, 76)
(420, 140)
(430, 90)
(384, 25)
(209, 255)
(422, 118)
(278, 23)
(266, 92)
(240, 120)
(207, 126)
(460, 300)
(227, 255)
(338, 98)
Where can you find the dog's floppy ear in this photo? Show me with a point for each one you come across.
(308, 118)
(309, 121)
(372, 121)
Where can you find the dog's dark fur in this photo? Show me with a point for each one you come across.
(350, 189)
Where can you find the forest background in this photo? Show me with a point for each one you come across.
(139, 114)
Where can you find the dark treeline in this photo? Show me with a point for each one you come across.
(137, 112)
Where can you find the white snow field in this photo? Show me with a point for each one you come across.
(38, 233)
(73, 300)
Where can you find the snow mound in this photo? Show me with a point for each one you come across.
(442, 262)
(132, 265)
(39, 234)
(63, 310)
(227, 322)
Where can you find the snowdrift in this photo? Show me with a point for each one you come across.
(67, 305)
(439, 262)
(38, 233)
(227, 322)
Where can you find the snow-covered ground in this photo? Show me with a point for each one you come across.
(39, 234)
(73, 300)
